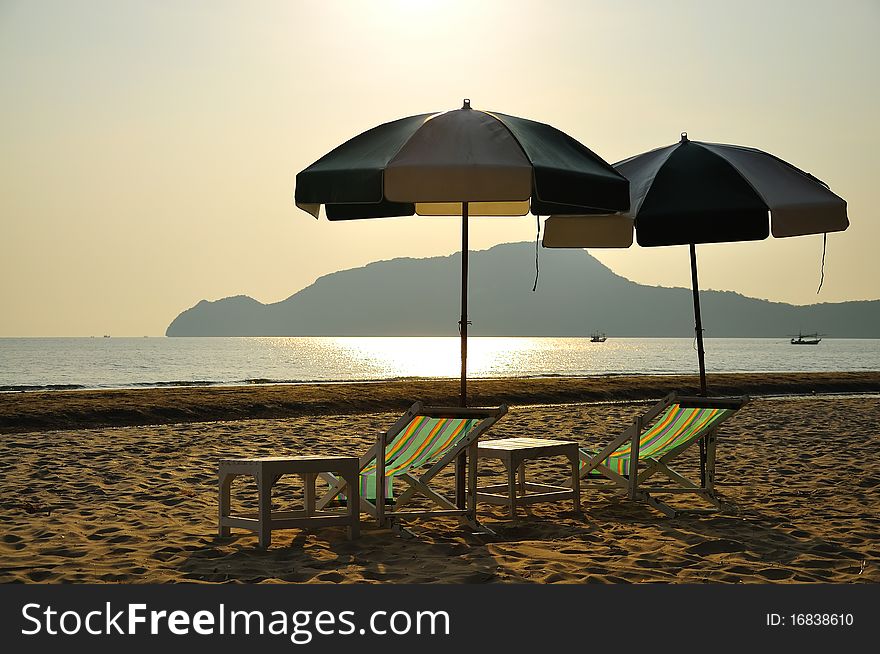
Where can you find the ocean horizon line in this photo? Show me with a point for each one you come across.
(455, 337)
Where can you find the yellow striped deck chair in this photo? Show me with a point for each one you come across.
(414, 450)
(654, 439)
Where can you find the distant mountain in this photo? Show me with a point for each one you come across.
(576, 295)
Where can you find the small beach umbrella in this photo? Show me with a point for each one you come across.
(693, 192)
(464, 162)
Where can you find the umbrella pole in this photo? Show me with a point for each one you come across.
(463, 323)
(698, 321)
(461, 462)
(701, 354)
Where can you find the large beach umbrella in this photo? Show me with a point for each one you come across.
(693, 192)
(464, 162)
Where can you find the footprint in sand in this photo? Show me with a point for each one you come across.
(774, 574)
(120, 551)
(824, 548)
(649, 563)
(479, 577)
(444, 549)
(720, 546)
(166, 553)
(739, 570)
(63, 552)
(819, 566)
(41, 575)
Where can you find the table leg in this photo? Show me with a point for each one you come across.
(521, 472)
(309, 492)
(264, 484)
(511, 486)
(225, 486)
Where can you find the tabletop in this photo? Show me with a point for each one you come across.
(511, 444)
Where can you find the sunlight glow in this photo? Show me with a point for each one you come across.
(389, 357)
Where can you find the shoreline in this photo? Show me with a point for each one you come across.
(268, 383)
(89, 409)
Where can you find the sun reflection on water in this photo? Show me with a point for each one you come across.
(440, 356)
(384, 357)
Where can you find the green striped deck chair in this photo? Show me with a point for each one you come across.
(414, 450)
(654, 439)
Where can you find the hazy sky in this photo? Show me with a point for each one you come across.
(149, 149)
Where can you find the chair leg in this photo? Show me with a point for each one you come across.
(460, 476)
(354, 506)
(576, 481)
(633, 464)
(472, 483)
(479, 528)
(703, 464)
(337, 485)
(663, 507)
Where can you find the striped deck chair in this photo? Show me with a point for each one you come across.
(655, 438)
(419, 445)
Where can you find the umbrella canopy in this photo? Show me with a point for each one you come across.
(461, 162)
(693, 192)
(432, 163)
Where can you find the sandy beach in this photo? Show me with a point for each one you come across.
(89, 495)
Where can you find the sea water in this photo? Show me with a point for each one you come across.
(49, 363)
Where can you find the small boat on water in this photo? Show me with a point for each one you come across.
(806, 339)
(598, 337)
